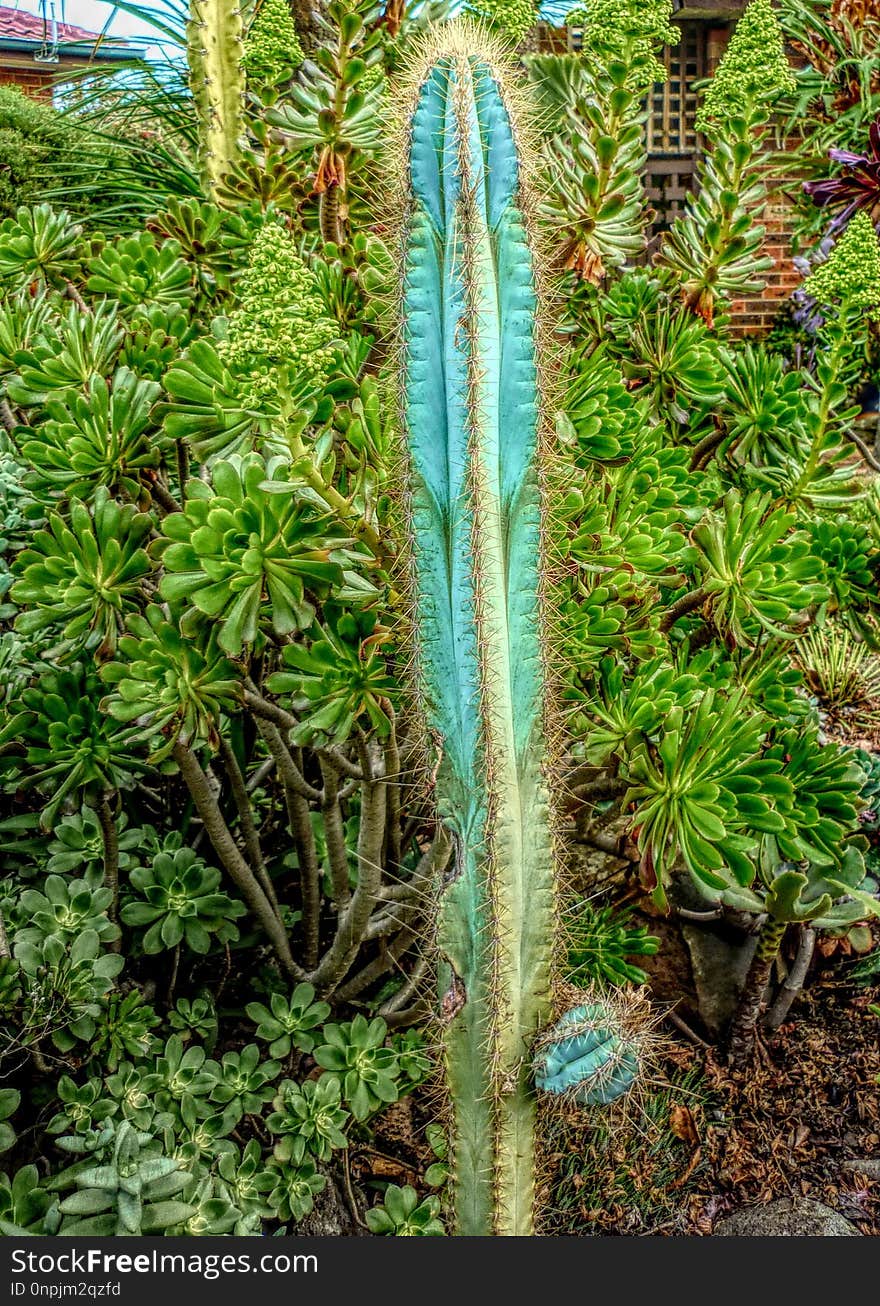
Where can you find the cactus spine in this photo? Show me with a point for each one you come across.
(214, 52)
(472, 410)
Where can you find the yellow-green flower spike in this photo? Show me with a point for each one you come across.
(753, 72)
(272, 51)
(851, 274)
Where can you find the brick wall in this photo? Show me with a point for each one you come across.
(30, 82)
(755, 315)
(28, 77)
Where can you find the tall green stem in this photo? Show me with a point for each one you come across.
(471, 408)
(830, 368)
(214, 53)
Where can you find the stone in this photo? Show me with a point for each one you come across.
(331, 1216)
(787, 1217)
(719, 963)
(869, 1166)
(591, 870)
(720, 954)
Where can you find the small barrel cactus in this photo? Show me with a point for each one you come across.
(588, 1057)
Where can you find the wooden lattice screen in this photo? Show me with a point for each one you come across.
(672, 138)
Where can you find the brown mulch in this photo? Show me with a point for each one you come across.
(702, 1141)
(398, 1150)
(810, 1103)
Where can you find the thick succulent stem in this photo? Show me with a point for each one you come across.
(248, 829)
(297, 794)
(794, 981)
(214, 53)
(471, 411)
(110, 842)
(7, 416)
(328, 215)
(357, 908)
(751, 1002)
(334, 835)
(432, 864)
(682, 606)
(230, 857)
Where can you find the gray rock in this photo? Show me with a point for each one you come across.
(330, 1216)
(719, 965)
(787, 1217)
(592, 871)
(720, 954)
(869, 1166)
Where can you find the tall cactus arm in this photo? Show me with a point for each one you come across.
(471, 411)
(214, 52)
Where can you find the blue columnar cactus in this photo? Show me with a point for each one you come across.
(472, 414)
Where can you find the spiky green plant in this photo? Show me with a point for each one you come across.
(215, 55)
(714, 248)
(601, 943)
(592, 193)
(842, 672)
(472, 405)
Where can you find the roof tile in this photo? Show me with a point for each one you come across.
(28, 27)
